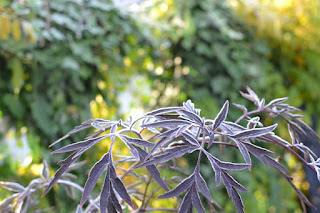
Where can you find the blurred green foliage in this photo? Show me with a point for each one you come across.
(291, 30)
(65, 61)
(56, 58)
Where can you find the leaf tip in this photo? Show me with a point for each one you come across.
(44, 194)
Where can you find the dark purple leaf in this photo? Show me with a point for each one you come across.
(305, 126)
(229, 182)
(163, 111)
(168, 155)
(215, 168)
(186, 205)
(243, 108)
(152, 169)
(237, 201)
(244, 152)
(133, 151)
(222, 115)
(166, 117)
(137, 141)
(202, 186)
(191, 139)
(252, 133)
(122, 191)
(196, 200)
(258, 152)
(301, 196)
(166, 124)
(234, 126)
(113, 130)
(287, 107)
(211, 140)
(192, 116)
(227, 165)
(277, 101)
(105, 193)
(292, 134)
(169, 133)
(226, 128)
(110, 206)
(277, 165)
(188, 105)
(205, 130)
(81, 151)
(160, 143)
(112, 169)
(115, 201)
(66, 163)
(182, 129)
(94, 176)
(76, 129)
(119, 186)
(97, 125)
(79, 145)
(94, 134)
(252, 96)
(181, 187)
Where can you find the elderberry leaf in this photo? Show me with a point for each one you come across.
(222, 115)
(94, 176)
(105, 193)
(192, 116)
(202, 186)
(137, 141)
(244, 152)
(277, 165)
(169, 154)
(66, 163)
(251, 133)
(196, 199)
(191, 139)
(162, 111)
(181, 187)
(152, 169)
(166, 124)
(83, 126)
(237, 201)
(79, 145)
(118, 185)
(186, 205)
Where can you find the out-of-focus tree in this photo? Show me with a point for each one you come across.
(212, 54)
(62, 62)
(58, 56)
(291, 28)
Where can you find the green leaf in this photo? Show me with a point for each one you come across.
(14, 106)
(17, 77)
